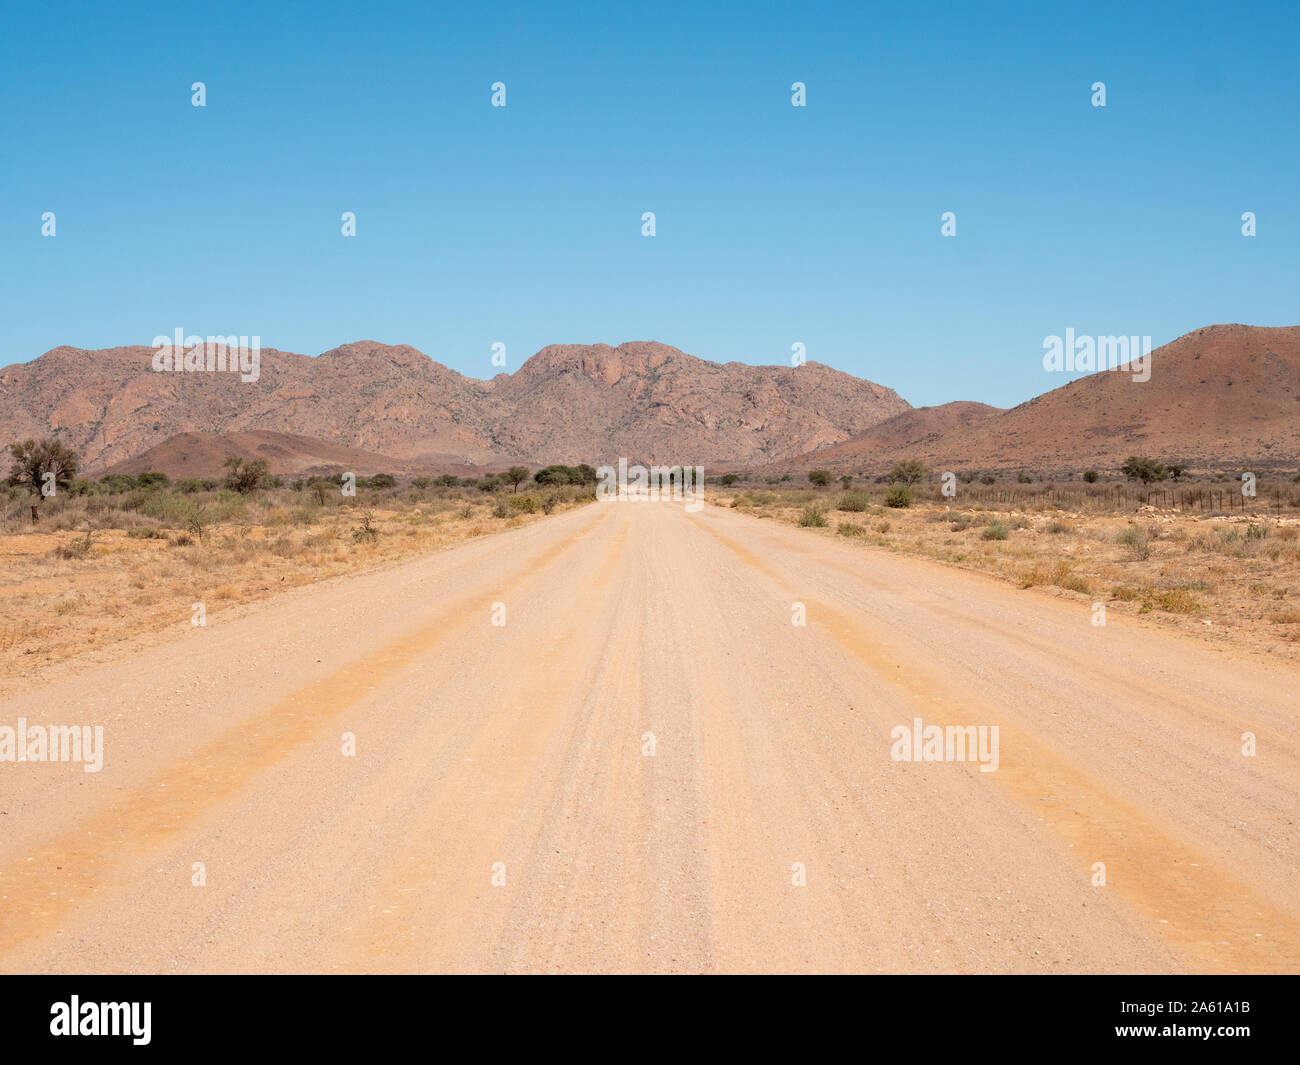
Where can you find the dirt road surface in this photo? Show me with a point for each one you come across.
(650, 767)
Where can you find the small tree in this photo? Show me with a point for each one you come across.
(1144, 470)
(516, 476)
(729, 479)
(1090, 476)
(819, 478)
(42, 467)
(910, 471)
(449, 480)
(245, 475)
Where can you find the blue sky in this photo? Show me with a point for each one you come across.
(775, 224)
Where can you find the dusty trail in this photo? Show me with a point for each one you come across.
(515, 753)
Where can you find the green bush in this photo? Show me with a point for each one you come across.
(812, 518)
(995, 530)
(899, 496)
(854, 502)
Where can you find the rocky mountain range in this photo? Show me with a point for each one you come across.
(568, 403)
(1220, 397)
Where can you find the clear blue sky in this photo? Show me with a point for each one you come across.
(775, 224)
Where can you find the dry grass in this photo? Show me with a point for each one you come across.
(1228, 574)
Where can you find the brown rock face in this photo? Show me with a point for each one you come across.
(1222, 397)
(569, 403)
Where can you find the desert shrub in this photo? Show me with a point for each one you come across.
(1090, 476)
(819, 478)
(73, 549)
(1175, 601)
(854, 502)
(995, 530)
(382, 480)
(500, 510)
(848, 528)
(526, 504)
(196, 522)
(812, 518)
(366, 531)
(899, 496)
(556, 474)
(1136, 539)
(116, 483)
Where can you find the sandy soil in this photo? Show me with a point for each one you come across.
(522, 744)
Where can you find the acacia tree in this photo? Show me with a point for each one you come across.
(516, 475)
(910, 471)
(43, 466)
(1145, 470)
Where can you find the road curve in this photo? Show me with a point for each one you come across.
(650, 767)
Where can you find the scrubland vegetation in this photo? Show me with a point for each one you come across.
(120, 555)
(1199, 555)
